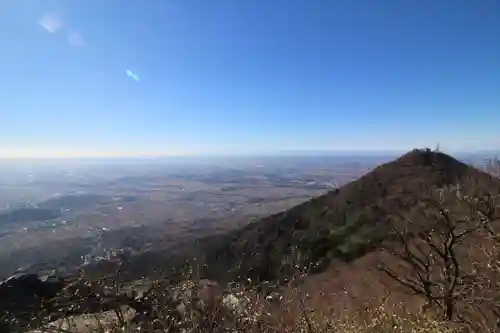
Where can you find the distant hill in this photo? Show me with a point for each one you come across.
(50, 208)
(26, 215)
(343, 224)
(74, 201)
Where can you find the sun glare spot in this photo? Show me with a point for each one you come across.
(132, 75)
(51, 22)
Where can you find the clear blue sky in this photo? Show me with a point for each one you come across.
(247, 76)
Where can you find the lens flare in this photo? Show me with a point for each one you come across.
(132, 75)
(51, 22)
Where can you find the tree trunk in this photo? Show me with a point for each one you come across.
(449, 308)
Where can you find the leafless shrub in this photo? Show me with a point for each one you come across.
(429, 252)
(451, 256)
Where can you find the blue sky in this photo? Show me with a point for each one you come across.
(247, 76)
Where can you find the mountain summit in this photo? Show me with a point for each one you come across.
(342, 224)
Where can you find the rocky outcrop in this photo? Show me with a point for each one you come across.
(26, 296)
(23, 295)
(24, 292)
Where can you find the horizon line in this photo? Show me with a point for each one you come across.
(279, 153)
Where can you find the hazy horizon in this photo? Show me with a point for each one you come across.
(275, 154)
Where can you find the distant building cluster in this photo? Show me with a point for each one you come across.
(105, 255)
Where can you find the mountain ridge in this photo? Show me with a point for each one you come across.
(342, 224)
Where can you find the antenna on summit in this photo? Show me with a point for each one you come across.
(437, 148)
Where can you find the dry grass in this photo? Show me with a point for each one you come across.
(381, 321)
(245, 310)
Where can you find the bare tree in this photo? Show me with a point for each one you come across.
(428, 254)
(482, 294)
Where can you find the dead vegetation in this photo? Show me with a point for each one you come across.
(239, 310)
